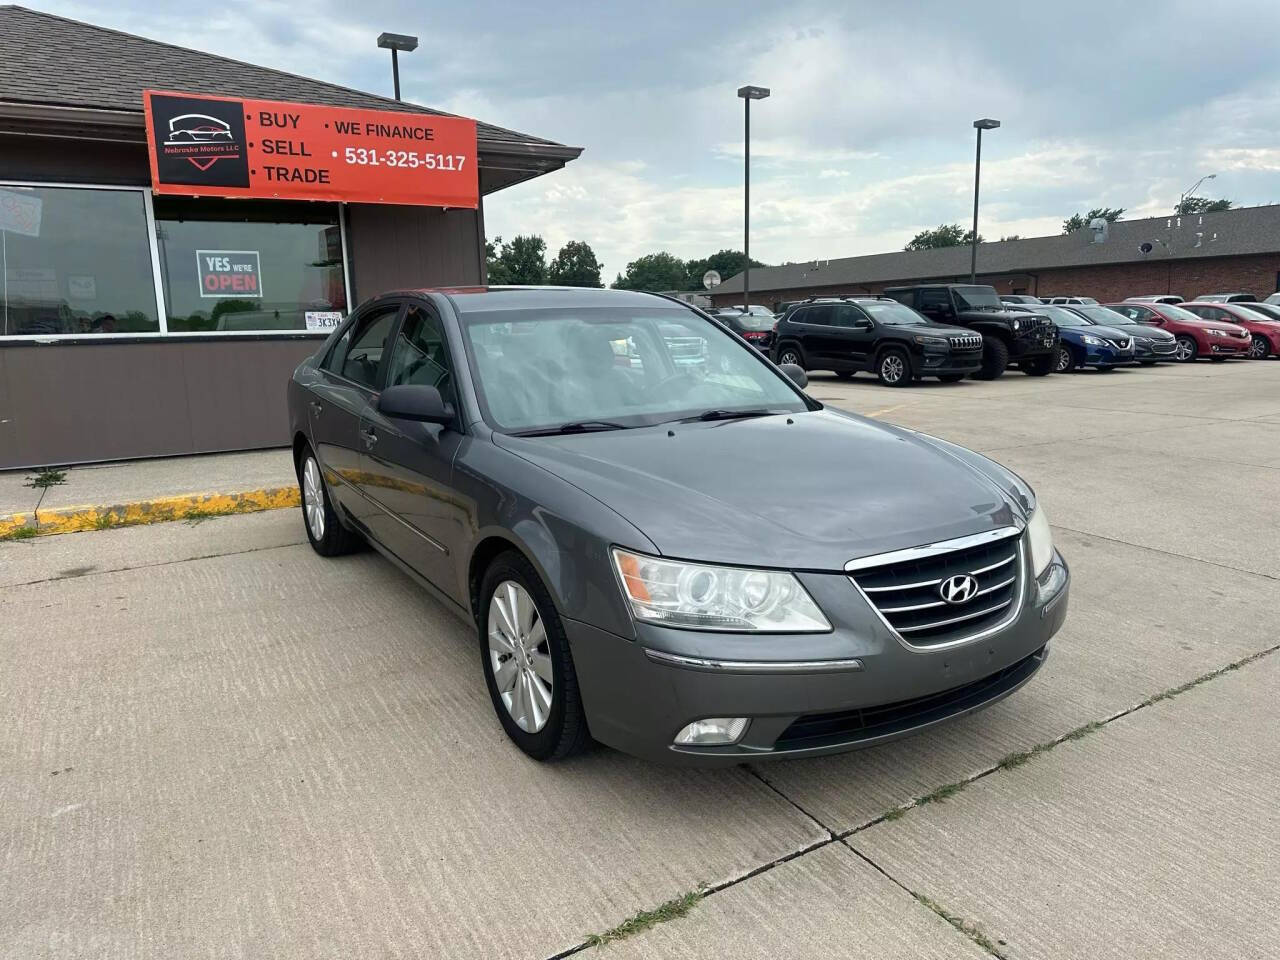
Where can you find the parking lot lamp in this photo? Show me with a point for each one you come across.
(978, 125)
(747, 93)
(1191, 190)
(395, 42)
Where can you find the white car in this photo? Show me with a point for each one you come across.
(1158, 298)
(1071, 300)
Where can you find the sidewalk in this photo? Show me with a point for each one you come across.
(146, 491)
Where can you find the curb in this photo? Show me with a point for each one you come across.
(192, 506)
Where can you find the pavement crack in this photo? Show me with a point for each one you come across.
(791, 800)
(1020, 757)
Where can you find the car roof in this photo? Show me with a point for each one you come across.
(497, 298)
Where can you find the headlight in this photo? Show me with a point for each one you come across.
(1017, 324)
(678, 594)
(1215, 333)
(1040, 540)
(1094, 341)
(931, 341)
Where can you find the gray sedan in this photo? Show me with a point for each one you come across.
(690, 562)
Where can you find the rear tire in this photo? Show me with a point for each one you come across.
(327, 535)
(995, 359)
(893, 367)
(523, 649)
(1187, 349)
(790, 353)
(1040, 366)
(1064, 359)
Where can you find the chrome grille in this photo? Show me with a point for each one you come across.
(906, 588)
(1164, 346)
(966, 343)
(1123, 344)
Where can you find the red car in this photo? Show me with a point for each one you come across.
(1264, 331)
(1197, 336)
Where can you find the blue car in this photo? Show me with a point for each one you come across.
(1083, 343)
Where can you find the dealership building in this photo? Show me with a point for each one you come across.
(168, 259)
(1232, 250)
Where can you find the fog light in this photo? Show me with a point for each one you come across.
(712, 731)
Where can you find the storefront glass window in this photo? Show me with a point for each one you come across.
(74, 261)
(247, 266)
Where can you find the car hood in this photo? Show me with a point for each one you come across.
(805, 491)
(1213, 325)
(1097, 330)
(937, 329)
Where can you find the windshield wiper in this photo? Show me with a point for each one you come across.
(727, 415)
(575, 426)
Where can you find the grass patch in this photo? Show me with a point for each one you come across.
(45, 479)
(104, 521)
(671, 910)
(200, 515)
(969, 929)
(20, 533)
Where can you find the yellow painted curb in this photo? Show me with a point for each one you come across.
(133, 513)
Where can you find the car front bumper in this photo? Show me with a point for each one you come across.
(855, 686)
(1226, 347)
(1107, 357)
(945, 364)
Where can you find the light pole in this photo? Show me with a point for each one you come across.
(396, 42)
(747, 93)
(978, 125)
(1190, 191)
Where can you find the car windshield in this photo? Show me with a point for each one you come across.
(611, 367)
(1064, 318)
(758, 310)
(978, 298)
(1172, 312)
(755, 321)
(1103, 315)
(893, 313)
(1266, 311)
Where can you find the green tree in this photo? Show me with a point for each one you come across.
(496, 269)
(526, 260)
(575, 266)
(727, 263)
(1077, 222)
(1012, 236)
(1189, 205)
(653, 271)
(944, 235)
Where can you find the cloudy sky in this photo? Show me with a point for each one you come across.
(867, 137)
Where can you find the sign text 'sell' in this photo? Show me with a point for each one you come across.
(217, 146)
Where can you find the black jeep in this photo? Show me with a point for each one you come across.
(877, 334)
(1028, 339)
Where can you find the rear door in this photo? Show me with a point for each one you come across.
(812, 327)
(345, 389)
(407, 467)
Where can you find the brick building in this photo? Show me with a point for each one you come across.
(1190, 255)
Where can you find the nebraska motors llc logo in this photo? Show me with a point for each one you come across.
(199, 142)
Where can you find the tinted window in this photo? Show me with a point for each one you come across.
(819, 315)
(358, 354)
(893, 313)
(932, 299)
(419, 355)
(847, 315)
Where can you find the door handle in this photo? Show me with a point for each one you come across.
(369, 437)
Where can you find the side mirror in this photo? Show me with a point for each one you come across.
(412, 401)
(796, 373)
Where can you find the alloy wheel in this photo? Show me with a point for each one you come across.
(1064, 360)
(313, 498)
(789, 356)
(520, 656)
(1258, 348)
(892, 368)
(1186, 350)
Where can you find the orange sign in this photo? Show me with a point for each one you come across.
(222, 147)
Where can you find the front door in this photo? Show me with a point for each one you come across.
(406, 472)
(853, 337)
(344, 392)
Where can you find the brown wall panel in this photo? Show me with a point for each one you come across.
(393, 248)
(78, 403)
(91, 161)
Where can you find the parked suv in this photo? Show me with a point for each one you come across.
(1071, 301)
(1196, 337)
(1263, 331)
(1227, 298)
(877, 334)
(1030, 340)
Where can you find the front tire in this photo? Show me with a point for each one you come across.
(894, 368)
(527, 665)
(995, 359)
(1064, 360)
(1188, 350)
(1040, 366)
(325, 532)
(1259, 347)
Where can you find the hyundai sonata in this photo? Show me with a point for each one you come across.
(690, 562)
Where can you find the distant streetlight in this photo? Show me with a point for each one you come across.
(396, 42)
(1190, 191)
(978, 125)
(747, 93)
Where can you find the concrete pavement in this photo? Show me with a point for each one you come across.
(216, 743)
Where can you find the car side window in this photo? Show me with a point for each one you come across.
(935, 299)
(820, 315)
(357, 356)
(847, 315)
(420, 354)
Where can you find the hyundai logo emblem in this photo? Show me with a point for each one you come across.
(958, 589)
